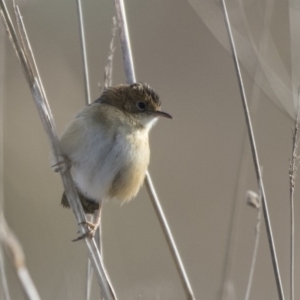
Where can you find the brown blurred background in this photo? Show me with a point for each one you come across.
(196, 158)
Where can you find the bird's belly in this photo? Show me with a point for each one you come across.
(129, 178)
(117, 175)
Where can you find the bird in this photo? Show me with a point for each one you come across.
(107, 146)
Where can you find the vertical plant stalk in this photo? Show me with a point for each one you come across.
(109, 66)
(89, 270)
(292, 175)
(169, 237)
(3, 284)
(125, 42)
(258, 206)
(98, 240)
(245, 156)
(87, 93)
(84, 54)
(107, 83)
(254, 155)
(130, 75)
(24, 52)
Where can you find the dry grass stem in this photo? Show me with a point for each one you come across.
(125, 41)
(244, 159)
(26, 57)
(254, 155)
(14, 251)
(254, 201)
(89, 269)
(130, 75)
(107, 83)
(169, 237)
(294, 162)
(112, 48)
(84, 54)
(98, 240)
(4, 284)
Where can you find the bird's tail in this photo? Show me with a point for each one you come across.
(89, 205)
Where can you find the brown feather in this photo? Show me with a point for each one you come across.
(89, 206)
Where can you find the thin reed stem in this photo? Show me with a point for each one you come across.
(89, 271)
(258, 206)
(292, 175)
(4, 284)
(130, 75)
(254, 155)
(109, 67)
(125, 41)
(244, 159)
(31, 73)
(87, 92)
(15, 252)
(169, 237)
(84, 54)
(107, 82)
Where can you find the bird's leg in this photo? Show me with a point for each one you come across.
(63, 165)
(98, 235)
(93, 225)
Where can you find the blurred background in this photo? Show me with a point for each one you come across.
(201, 164)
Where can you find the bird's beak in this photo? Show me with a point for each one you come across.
(162, 114)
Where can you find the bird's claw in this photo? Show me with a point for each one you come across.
(90, 233)
(62, 166)
(90, 224)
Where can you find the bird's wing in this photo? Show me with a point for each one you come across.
(87, 137)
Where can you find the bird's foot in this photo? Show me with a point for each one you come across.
(62, 165)
(90, 233)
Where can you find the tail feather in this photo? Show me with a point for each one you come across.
(89, 205)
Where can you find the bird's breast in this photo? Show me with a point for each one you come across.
(115, 171)
(130, 176)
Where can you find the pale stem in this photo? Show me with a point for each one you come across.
(4, 284)
(5, 288)
(125, 42)
(292, 175)
(244, 159)
(84, 54)
(130, 75)
(255, 156)
(169, 237)
(27, 60)
(107, 83)
(89, 271)
(255, 250)
(14, 251)
(109, 67)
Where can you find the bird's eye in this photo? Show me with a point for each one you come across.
(141, 106)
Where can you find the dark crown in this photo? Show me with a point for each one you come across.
(147, 91)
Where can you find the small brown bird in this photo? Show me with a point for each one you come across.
(107, 145)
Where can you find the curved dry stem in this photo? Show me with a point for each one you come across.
(14, 250)
(27, 60)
